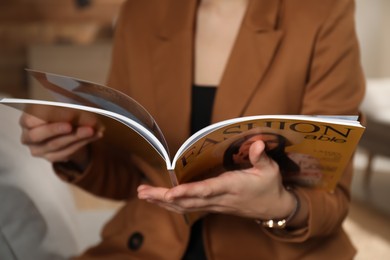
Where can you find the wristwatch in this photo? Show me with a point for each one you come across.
(282, 223)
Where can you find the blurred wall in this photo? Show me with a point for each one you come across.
(24, 23)
(372, 24)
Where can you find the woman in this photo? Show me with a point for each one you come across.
(250, 57)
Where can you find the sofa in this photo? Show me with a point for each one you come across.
(38, 217)
(376, 108)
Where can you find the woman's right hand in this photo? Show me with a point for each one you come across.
(59, 141)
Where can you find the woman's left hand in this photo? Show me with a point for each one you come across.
(256, 192)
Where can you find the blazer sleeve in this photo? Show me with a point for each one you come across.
(335, 86)
(336, 83)
(110, 174)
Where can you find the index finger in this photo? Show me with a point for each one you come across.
(29, 121)
(202, 189)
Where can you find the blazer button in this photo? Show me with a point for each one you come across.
(135, 241)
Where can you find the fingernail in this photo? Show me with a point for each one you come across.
(85, 132)
(169, 198)
(141, 187)
(64, 128)
(142, 197)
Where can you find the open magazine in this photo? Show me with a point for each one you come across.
(310, 150)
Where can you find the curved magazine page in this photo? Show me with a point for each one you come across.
(314, 151)
(120, 131)
(345, 120)
(71, 90)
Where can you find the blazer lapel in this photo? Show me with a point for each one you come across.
(173, 64)
(172, 69)
(251, 56)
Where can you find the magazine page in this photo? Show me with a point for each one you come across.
(118, 130)
(71, 90)
(345, 120)
(310, 151)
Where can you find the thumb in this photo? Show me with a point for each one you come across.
(257, 155)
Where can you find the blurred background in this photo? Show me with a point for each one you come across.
(73, 37)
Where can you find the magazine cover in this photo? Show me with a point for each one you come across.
(309, 153)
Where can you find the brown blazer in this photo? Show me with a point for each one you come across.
(290, 57)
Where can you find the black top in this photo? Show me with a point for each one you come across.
(201, 108)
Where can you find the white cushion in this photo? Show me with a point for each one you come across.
(35, 178)
(376, 103)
